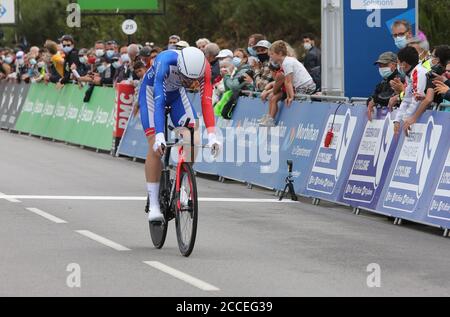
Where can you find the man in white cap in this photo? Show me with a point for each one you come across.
(263, 74)
(182, 44)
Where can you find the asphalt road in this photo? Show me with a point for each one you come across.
(49, 221)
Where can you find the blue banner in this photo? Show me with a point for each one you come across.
(415, 168)
(439, 211)
(332, 165)
(367, 34)
(373, 159)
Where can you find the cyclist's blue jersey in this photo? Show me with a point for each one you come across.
(162, 86)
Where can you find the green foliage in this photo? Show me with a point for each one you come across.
(229, 22)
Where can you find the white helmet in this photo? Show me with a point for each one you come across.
(192, 63)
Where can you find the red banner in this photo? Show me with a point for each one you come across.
(124, 107)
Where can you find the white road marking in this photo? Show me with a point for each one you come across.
(102, 240)
(125, 198)
(46, 215)
(9, 198)
(183, 276)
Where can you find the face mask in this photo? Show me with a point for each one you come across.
(68, 49)
(172, 47)
(307, 46)
(400, 71)
(33, 62)
(83, 60)
(116, 65)
(99, 53)
(8, 60)
(237, 61)
(252, 51)
(263, 57)
(385, 72)
(101, 68)
(110, 53)
(401, 42)
(125, 58)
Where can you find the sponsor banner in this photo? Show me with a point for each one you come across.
(62, 115)
(332, 165)
(124, 102)
(416, 168)
(20, 95)
(373, 159)
(7, 94)
(439, 210)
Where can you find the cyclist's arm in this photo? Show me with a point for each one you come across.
(162, 71)
(207, 108)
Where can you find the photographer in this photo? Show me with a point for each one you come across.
(242, 78)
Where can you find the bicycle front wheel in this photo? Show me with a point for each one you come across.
(187, 210)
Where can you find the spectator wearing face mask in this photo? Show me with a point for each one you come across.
(212, 50)
(416, 80)
(226, 68)
(402, 33)
(100, 49)
(263, 74)
(72, 58)
(313, 57)
(6, 61)
(387, 67)
(173, 40)
(111, 48)
(252, 41)
(242, 77)
(124, 72)
(201, 44)
(83, 67)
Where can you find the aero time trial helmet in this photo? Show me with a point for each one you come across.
(192, 63)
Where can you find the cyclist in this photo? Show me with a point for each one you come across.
(165, 84)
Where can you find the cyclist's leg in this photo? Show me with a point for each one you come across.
(182, 110)
(153, 162)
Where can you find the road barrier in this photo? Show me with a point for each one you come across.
(366, 166)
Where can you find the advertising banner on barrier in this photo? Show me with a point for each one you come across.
(19, 99)
(124, 102)
(415, 168)
(332, 165)
(62, 115)
(7, 95)
(439, 210)
(372, 163)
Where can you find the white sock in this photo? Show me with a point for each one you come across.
(153, 194)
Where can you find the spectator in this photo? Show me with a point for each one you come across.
(145, 55)
(275, 91)
(443, 88)
(416, 79)
(263, 73)
(226, 68)
(211, 52)
(6, 62)
(111, 49)
(99, 49)
(105, 75)
(71, 58)
(424, 54)
(133, 51)
(225, 54)
(83, 67)
(201, 44)
(387, 66)
(173, 40)
(252, 41)
(140, 70)
(181, 45)
(56, 70)
(34, 51)
(124, 72)
(313, 57)
(242, 76)
(402, 33)
(298, 80)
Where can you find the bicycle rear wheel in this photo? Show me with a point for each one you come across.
(187, 211)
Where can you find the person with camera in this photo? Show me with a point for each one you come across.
(242, 78)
